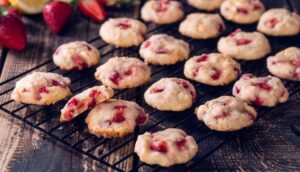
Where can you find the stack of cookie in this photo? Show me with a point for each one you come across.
(116, 118)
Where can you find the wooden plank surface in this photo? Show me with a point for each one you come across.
(269, 145)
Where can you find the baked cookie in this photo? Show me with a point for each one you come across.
(212, 69)
(115, 118)
(123, 72)
(226, 113)
(242, 11)
(123, 32)
(279, 22)
(76, 55)
(202, 26)
(162, 49)
(260, 91)
(285, 64)
(41, 88)
(85, 100)
(162, 11)
(245, 45)
(170, 94)
(166, 148)
(208, 5)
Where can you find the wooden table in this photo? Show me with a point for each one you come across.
(269, 145)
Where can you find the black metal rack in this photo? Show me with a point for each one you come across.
(75, 135)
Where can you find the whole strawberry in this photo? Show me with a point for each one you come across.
(56, 14)
(12, 32)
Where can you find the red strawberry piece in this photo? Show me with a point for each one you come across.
(80, 62)
(56, 83)
(273, 22)
(257, 6)
(181, 145)
(92, 9)
(242, 10)
(221, 115)
(257, 101)
(263, 85)
(184, 84)
(95, 93)
(296, 62)
(115, 78)
(157, 90)
(240, 42)
(12, 33)
(216, 74)
(56, 15)
(193, 95)
(163, 6)
(202, 58)
(43, 89)
(237, 90)
(220, 28)
(147, 44)
(124, 25)
(162, 51)
(235, 32)
(141, 118)
(159, 146)
(119, 116)
(73, 102)
(247, 76)
(14, 11)
(92, 103)
(69, 115)
(128, 72)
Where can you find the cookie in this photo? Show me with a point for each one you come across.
(162, 11)
(170, 94)
(279, 22)
(202, 26)
(123, 32)
(212, 69)
(123, 72)
(41, 88)
(162, 49)
(226, 113)
(237, 43)
(208, 5)
(115, 118)
(260, 91)
(242, 11)
(76, 56)
(166, 148)
(285, 64)
(85, 100)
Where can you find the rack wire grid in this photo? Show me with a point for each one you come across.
(75, 135)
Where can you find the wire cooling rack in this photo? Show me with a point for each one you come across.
(118, 153)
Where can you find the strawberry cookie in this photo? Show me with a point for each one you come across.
(41, 88)
(260, 91)
(226, 113)
(123, 72)
(84, 101)
(171, 94)
(279, 22)
(162, 11)
(208, 5)
(123, 32)
(242, 11)
(213, 69)
(76, 55)
(162, 49)
(245, 45)
(166, 148)
(202, 26)
(285, 64)
(115, 118)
